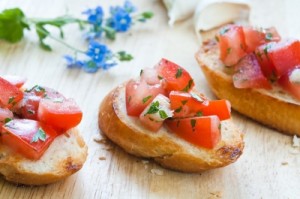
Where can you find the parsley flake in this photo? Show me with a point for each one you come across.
(183, 102)
(224, 30)
(217, 38)
(178, 73)
(163, 115)
(141, 72)
(187, 88)
(199, 113)
(269, 36)
(193, 123)
(39, 135)
(228, 51)
(220, 126)
(30, 112)
(178, 109)
(11, 100)
(154, 108)
(159, 77)
(6, 120)
(146, 99)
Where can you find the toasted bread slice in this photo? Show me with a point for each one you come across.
(274, 108)
(163, 146)
(64, 157)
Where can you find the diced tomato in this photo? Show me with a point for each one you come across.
(187, 104)
(61, 114)
(15, 80)
(174, 77)
(292, 87)
(220, 108)
(249, 75)
(285, 56)
(201, 131)
(156, 112)
(9, 94)
(28, 137)
(28, 107)
(5, 114)
(265, 63)
(255, 37)
(150, 75)
(232, 44)
(139, 94)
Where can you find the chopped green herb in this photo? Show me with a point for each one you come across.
(30, 111)
(11, 100)
(154, 108)
(39, 135)
(187, 88)
(178, 109)
(259, 55)
(183, 102)
(199, 113)
(269, 36)
(141, 72)
(220, 126)
(193, 123)
(6, 120)
(151, 119)
(36, 88)
(163, 115)
(196, 97)
(178, 73)
(146, 99)
(129, 99)
(224, 30)
(228, 51)
(159, 77)
(217, 38)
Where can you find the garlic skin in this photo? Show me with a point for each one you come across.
(214, 13)
(180, 9)
(295, 76)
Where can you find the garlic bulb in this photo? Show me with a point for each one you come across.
(180, 9)
(214, 13)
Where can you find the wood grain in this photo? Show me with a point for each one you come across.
(267, 169)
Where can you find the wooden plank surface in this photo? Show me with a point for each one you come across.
(269, 167)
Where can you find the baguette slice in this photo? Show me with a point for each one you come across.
(163, 146)
(65, 156)
(274, 108)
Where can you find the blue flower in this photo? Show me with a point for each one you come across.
(72, 62)
(120, 19)
(95, 16)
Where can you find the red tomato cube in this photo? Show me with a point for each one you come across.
(201, 131)
(15, 80)
(187, 104)
(174, 77)
(139, 94)
(9, 94)
(220, 108)
(286, 82)
(285, 56)
(249, 75)
(28, 137)
(232, 44)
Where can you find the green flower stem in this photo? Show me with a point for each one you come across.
(59, 40)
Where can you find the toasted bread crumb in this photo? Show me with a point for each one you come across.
(102, 158)
(284, 163)
(296, 141)
(216, 194)
(157, 172)
(100, 140)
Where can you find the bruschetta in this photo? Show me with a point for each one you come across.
(258, 72)
(161, 116)
(39, 142)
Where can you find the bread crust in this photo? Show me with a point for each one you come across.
(65, 156)
(274, 108)
(164, 147)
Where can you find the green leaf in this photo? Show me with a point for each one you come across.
(146, 99)
(39, 135)
(109, 33)
(123, 56)
(154, 108)
(147, 15)
(163, 115)
(12, 25)
(178, 73)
